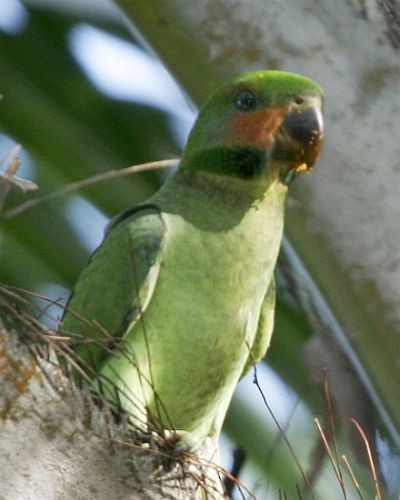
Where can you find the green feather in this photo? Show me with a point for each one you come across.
(178, 301)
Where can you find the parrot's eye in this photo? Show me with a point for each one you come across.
(245, 100)
(298, 100)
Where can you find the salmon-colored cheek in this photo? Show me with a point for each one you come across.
(255, 128)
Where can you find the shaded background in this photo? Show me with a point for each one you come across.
(82, 96)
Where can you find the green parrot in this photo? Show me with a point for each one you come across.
(177, 303)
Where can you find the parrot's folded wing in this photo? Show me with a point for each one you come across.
(122, 272)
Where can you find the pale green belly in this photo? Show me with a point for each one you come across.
(193, 340)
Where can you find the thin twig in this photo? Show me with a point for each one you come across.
(331, 457)
(230, 480)
(370, 457)
(331, 420)
(279, 427)
(74, 186)
(353, 477)
(8, 178)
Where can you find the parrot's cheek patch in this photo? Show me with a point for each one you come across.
(257, 128)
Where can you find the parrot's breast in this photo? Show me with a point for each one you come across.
(203, 317)
(183, 357)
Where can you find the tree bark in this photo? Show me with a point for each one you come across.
(56, 443)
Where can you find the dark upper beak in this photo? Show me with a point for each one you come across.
(299, 140)
(306, 128)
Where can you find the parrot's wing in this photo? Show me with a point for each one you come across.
(117, 284)
(264, 329)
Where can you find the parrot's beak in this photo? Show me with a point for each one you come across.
(299, 140)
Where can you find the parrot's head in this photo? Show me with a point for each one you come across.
(258, 122)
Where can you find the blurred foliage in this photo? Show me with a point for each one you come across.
(71, 131)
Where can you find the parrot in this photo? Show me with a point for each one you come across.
(177, 303)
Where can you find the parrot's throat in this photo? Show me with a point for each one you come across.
(239, 162)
